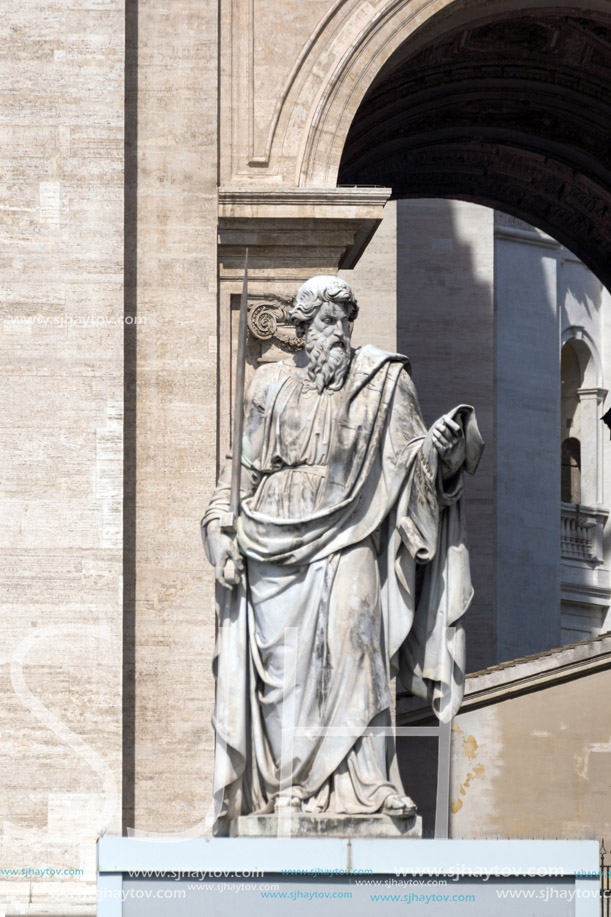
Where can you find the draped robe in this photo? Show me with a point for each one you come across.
(340, 511)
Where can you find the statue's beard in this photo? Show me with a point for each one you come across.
(327, 361)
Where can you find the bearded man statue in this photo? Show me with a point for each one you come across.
(353, 571)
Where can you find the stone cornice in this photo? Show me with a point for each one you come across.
(302, 227)
(249, 202)
(599, 393)
(526, 236)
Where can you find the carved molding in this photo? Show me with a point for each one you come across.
(260, 156)
(305, 119)
(340, 54)
(292, 233)
(268, 320)
(253, 202)
(250, 151)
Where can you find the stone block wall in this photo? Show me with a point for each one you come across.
(61, 389)
(169, 743)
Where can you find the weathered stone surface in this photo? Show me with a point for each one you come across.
(173, 419)
(61, 430)
(303, 825)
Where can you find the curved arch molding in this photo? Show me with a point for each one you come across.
(494, 102)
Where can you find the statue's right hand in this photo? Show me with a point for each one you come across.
(222, 549)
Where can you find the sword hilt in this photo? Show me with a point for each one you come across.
(227, 523)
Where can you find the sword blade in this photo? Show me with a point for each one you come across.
(238, 404)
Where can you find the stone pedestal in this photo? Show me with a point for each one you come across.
(302, 824)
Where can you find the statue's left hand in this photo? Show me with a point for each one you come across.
(224, 554)
(446, 437)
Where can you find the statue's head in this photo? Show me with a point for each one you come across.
(317, 291)
(323, 312)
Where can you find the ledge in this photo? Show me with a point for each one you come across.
(306, 856)
(298, 202)
(526, 236)
(301, 229)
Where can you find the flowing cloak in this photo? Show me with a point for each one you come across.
(357, 572)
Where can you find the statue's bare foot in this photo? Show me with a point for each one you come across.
(287, 802)
(399, 806)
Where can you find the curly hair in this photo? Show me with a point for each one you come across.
(314, 293)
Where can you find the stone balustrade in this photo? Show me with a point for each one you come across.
(581, 532)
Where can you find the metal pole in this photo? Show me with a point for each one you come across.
(229, 520)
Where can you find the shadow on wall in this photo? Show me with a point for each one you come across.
(478, 318)
(445, 324)
(584, 290)
(417, 758)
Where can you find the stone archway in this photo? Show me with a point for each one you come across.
(441, 98)
(512, 112)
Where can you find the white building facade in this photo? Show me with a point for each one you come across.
(496, 313)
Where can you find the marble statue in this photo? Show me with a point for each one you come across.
(353, 569)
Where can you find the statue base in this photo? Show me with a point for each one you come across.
(302, 824)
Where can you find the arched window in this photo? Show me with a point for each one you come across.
(582, 402)
(571, 470)
(571, 373)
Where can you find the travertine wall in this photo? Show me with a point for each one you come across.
(61, 384)
(585, 311)
(374, 281)
(483, 302)
(175, 415)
